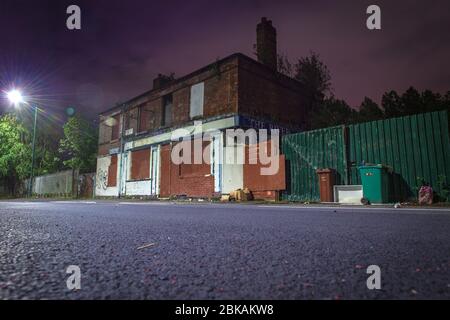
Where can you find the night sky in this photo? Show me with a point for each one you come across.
(123, 44)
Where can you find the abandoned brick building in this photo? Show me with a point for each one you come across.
(235, 92)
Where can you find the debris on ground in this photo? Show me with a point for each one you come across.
(426, 195)
(146, 246)
(241, 195)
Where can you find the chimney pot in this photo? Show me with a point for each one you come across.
(161, 80)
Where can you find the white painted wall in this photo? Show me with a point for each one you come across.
(216, 156)
(139, 188)
(56, 183)
(102, 189)
(155, 169)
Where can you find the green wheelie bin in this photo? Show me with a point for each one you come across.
(375, 182)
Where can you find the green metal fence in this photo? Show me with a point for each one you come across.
(308, 151)
(416, 147)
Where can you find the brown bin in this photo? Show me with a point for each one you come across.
(326, 183)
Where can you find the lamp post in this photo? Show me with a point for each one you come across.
(30, 183)
(16, 98)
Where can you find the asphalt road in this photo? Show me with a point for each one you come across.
(221, 251)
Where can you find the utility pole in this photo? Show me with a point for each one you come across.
(30, 183)
(121, 148)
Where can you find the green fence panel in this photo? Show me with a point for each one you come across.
(416, 147)
(308, 151)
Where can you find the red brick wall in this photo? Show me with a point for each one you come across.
(271, 96)
(165, 175)
(180, 107)
(221, 94)
(235, 85)
(221, 97)
(103, 149)
(193, 180)
(266, 195)
(263, 186)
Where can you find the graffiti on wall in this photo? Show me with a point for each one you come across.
(102, 179)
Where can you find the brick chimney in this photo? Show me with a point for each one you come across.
(161, 80)
(266, 43)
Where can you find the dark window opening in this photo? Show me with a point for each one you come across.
(115, 127)
(167, 111)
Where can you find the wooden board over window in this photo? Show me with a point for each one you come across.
(104, 135)
(131, 120)
(112, 172)
(146, 118)
(140, 165)
(115, 127)
(197, 99)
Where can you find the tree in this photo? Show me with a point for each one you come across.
(333, 112)
(392, 104)
(369, 111)
(284, 66)
(79, 144)
(315, 79)
(432, 101)
(48, 134)
(446, 101)
(411, 102)
(15, 152)
(314, 75)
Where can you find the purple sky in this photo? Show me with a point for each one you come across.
(124, 44)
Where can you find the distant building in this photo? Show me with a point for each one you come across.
(135, 139)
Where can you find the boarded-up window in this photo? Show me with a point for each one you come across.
(112, 172)
(104, 135)
(140, 164)
(131, 120)
(167, 111)
(197, 97)
(146, 118)
(115, 127)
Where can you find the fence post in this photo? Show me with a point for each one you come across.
(94, 184)
(345, 143)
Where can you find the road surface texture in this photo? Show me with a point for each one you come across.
(214, 251)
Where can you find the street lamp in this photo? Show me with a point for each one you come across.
(16, 98)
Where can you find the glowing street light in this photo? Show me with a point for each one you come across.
(16, 98)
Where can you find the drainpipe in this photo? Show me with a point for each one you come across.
(122, 133)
